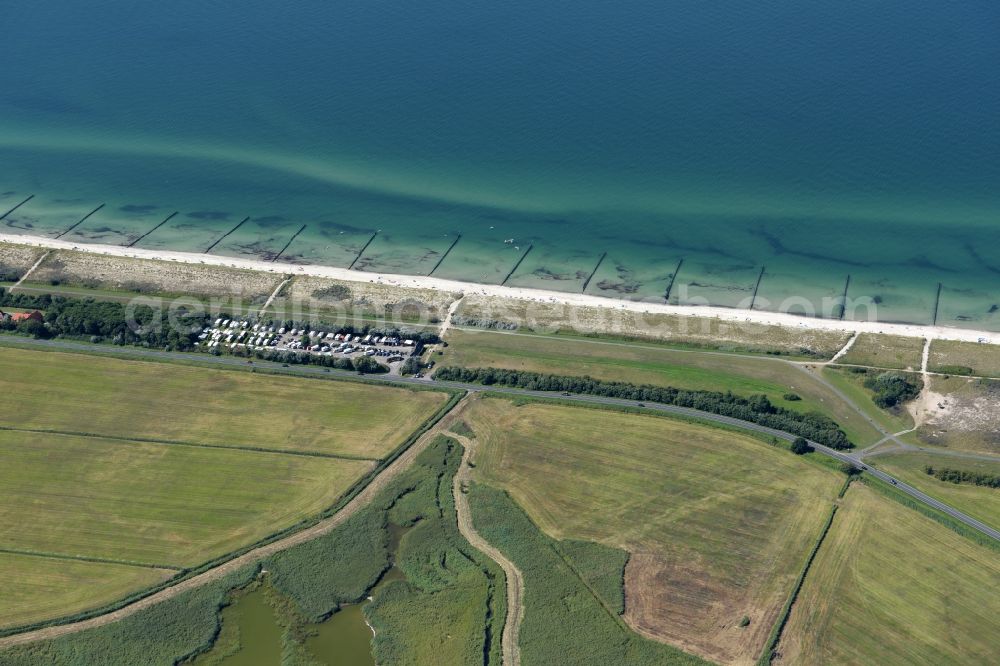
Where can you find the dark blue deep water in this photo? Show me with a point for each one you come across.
(811, 139)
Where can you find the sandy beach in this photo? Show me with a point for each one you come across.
(536, 295)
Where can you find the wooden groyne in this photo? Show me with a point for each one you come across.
(673, 276)
(937, 302)
(290, 241)
(167, 219)
(843, 299)
(590, 277)
(223, 236)
(80, 221)
(517, 265)
(756, 288)
(363, 248)
(445, 255)
(4, 216)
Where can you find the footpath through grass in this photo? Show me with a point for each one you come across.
(716, 523)
(565, 621)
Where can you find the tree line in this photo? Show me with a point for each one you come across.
(102, 321)
(755, 408)
(963, 476)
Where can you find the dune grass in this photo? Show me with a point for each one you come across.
(955, 357)
(891, 586)
(716, 523)
(645, 363)
(885, 351)
(135, 399)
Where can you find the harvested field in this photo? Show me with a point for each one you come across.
(136, 399)
(717, 523)
(891, 586)
(153, 503)
(885, 351)
(154, 277)
(953, 357)
(34, 588)
(658, 365)
(532, 316)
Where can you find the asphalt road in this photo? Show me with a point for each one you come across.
(308, 370)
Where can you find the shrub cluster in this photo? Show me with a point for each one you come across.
(755, 409)
(963, 476)
(892, 388)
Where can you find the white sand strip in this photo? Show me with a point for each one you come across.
(537, 295)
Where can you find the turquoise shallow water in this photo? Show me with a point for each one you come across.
(792, 142)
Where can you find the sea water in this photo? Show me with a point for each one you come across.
(774, 152)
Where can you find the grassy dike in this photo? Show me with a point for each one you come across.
(449, 608)
(566, 621)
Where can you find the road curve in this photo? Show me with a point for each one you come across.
(510, 648)
(228, 361)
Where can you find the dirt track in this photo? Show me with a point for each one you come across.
(360, 500)
(515, 581)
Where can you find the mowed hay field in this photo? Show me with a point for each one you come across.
(135, 399)
(78, 481)
(717, 524)
(891, 586)
(34, 588)
(154, 503)
(641, 363)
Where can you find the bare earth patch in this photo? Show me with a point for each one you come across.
(962, 413)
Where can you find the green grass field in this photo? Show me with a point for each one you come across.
(662, 366)
(717, 523)
(891, 586)
(154, 503)
(852, 386)
(978, 501)
(135, 399)
(34, 588)
(82, 477)
(885, 351)
(949, 356)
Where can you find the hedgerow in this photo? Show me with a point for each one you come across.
(755, 409)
